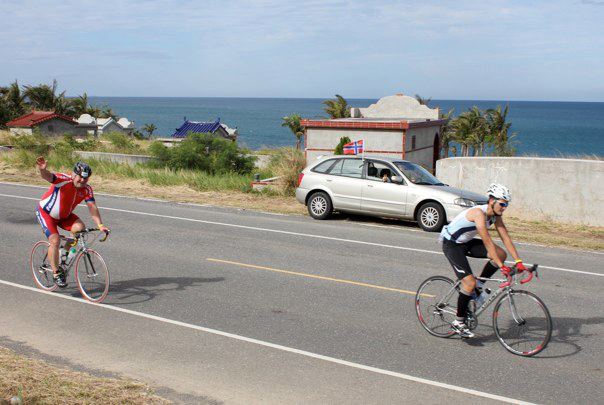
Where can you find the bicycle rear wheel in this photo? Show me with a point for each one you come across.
(522, 323)
(40, 267)
(92, 276)
(433, 304)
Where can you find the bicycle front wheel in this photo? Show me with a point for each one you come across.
(436, 305)
(92, 276)
(40, 267)
(522, 323)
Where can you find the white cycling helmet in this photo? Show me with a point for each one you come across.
(499, 192)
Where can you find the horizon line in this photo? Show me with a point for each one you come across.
(349, 98)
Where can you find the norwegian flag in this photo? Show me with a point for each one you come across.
(353, 148)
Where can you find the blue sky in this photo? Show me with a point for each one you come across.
(503, 50)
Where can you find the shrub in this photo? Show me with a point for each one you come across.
(205, 152)
(287, 163)
(35, 143)
(339, 150)
(121, 143)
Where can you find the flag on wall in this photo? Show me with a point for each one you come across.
(353, 148)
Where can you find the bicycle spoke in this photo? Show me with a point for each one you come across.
(432, 304)
(522, 323)
(92, 276)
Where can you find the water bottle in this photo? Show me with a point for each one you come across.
(62, 255)
(482, 297)
(71, 254)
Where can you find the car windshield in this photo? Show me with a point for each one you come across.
(417, 174)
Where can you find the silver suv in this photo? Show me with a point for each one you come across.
(381, 187)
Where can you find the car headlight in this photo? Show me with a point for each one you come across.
(465, 202)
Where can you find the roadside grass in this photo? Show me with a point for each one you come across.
(38, 382)
(551, 233)
(234, 191)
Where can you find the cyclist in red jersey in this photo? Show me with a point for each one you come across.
(57, 205)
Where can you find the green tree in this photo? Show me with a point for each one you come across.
(470, 131)
(447, 134)
(423, 101)
(293, 123)
(45, 97)
(498, 129)
(149, 129)
(339, 150)
(337, 108)
(80, 105)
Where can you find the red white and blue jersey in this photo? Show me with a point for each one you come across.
(63, 196)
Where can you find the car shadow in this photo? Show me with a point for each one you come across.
(565, 341)
(135, 291)
(383, 221)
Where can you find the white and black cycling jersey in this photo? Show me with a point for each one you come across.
(462, 230)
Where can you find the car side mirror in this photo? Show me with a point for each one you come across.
(397, 179)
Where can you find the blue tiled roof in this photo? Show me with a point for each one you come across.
(197, 127)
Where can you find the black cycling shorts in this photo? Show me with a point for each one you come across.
(457, 254)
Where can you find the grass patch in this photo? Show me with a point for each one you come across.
(551, 233)
(38, 382)
(233, 190)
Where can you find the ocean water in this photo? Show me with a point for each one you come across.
(543, 128)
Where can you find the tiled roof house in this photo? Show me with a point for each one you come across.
(205, 127)
(47, 122)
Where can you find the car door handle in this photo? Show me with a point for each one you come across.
(327, 179)
(369, 185)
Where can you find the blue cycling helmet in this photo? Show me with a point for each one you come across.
(82, 169)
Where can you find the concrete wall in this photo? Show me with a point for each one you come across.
(54, 127)
(377, 142)
(423, 153)
(262, 161)
(563, 190)
(116, 157)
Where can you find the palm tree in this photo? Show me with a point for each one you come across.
(470, 131)
(106, 112)
(293, 123)
(149, 129)
(80, 105)
(447, 133)
(337, 108)
(498, 131)
(423, 101)
(44, 97)
(15, 99)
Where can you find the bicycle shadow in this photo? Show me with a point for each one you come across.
(566, 335)
(135, 291)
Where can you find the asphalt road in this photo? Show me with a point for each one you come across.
(225, 305)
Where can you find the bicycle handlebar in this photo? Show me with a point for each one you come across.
(532, 271)
(88, 230)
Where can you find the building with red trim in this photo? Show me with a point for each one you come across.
(47, 122)
(395, 126)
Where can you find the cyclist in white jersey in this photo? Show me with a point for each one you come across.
(458, 242)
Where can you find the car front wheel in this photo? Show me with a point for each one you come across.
(319, 205)
(431, 217)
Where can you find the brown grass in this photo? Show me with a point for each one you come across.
(39, 382)
(541, 232)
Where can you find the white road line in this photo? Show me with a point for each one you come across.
(277, 346)
(309, 235)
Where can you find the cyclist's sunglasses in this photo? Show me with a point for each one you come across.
(503, 204)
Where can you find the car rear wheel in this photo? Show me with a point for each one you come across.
(431, 217)
(319, 205)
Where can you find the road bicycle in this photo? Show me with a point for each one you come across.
(91, 273)
(521, 321)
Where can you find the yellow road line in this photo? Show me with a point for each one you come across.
(294, 273)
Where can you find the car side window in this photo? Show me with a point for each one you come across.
(323, 167)
(380, 171)
(348, 168)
